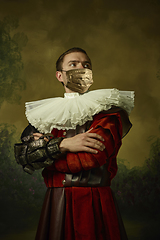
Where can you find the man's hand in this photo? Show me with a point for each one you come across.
(83, 142)
(38, 135)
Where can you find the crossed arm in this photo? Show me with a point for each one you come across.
(83, 151)
(93, 148)
(83, 142)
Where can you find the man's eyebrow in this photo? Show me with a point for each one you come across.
(71, 61)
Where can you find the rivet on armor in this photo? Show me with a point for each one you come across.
(63, 181)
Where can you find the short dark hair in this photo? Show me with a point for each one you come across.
(74, 49)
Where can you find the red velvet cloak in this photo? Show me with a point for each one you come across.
(83, 213)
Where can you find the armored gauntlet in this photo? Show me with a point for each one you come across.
(37, 154)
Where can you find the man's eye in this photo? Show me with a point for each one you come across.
(72, 64)
(87, 65)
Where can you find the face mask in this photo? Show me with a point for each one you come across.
(79, 80)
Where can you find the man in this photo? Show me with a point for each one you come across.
(80, 155)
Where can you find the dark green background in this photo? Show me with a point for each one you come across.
(123, 40)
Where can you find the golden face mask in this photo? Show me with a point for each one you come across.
(79, 80)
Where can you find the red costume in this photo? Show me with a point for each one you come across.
(79, 204)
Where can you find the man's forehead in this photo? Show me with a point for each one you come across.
(75, 56)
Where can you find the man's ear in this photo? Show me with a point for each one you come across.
(59, 76)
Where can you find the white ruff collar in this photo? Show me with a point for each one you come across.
(75, 109)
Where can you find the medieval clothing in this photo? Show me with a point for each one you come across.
(79, 204)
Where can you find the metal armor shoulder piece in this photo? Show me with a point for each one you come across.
(37, 154)
(53, 147)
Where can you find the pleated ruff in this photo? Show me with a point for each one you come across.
(79, 213)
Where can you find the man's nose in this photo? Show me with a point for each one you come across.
(81, 65)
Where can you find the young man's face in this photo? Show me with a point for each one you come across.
(74, 60)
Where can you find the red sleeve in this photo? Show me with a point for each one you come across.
(110, 128)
